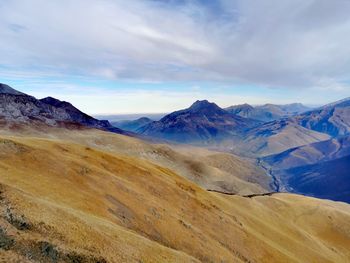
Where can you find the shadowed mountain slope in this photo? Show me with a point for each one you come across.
(275, 137)
(329, 180)
(203, 123)
(311, 154)
(333, 119)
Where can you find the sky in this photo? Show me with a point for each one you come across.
(135, 56)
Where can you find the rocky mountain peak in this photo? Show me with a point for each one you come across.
(56, 102)
(5, 89)
(200, 105)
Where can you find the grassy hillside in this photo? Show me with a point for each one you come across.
(201, 166)
(68, 201)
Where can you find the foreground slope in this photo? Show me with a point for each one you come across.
(65, 201)
(209, 169)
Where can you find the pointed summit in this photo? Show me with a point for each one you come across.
(201, 104)
(204, 105)
(5, 89)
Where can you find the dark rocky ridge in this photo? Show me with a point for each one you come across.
(19, 107)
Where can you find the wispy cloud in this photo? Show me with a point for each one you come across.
(289, 43)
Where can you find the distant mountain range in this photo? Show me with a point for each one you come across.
(129, 117)
(267, 112)
(235, 128)
(202, 122)
(324, 123)
(333, 119)
(275, 137)
(20, 107)
(311, 153)
(207, 124)
(132, 125)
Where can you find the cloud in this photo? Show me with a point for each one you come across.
(270, 43)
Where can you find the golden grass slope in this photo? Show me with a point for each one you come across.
(66, 201)
(211, 170)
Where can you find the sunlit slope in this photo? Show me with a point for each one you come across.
(205, 168)
(64, 200)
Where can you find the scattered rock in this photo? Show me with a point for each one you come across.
(184, 224)
(84, 170)
(19, 222)
(74, 257)
(48, 251)
(6, 242)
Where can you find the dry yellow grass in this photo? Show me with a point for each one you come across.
(96, 205)
(209, 169)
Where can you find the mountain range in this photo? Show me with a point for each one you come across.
(203, 122)
(267, 112)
